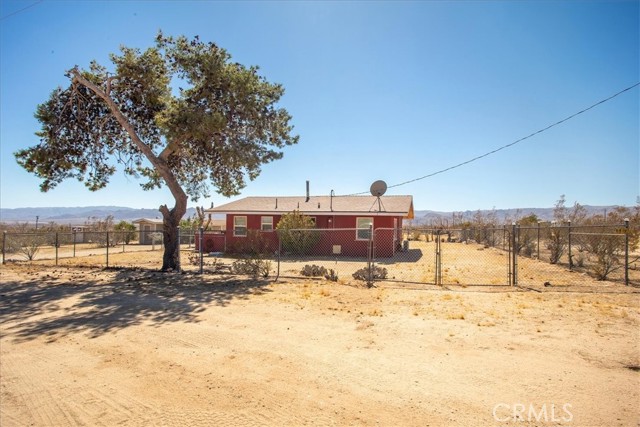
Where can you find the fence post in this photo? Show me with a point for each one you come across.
(569, 244)
(201, 249)
(179, 264)
(514, 255)
(74, 241)
(539, 240)
(626, 252)
(438, 266)
(369, 258)
(278, 253)
(107, 249)
(56, 243)
(124, 238)
(4, 243)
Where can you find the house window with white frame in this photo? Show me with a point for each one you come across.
(266, 223)
(363, 224)
(240, 226)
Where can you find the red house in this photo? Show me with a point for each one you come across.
(343, 222)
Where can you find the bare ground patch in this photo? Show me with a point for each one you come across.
(132, 346)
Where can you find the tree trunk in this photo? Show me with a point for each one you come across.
(171, 219)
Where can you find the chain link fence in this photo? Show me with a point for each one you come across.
(56, 246)
(471, 256)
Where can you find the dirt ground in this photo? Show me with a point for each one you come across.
(82, 345)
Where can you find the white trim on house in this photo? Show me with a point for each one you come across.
(360, 228)
(237, 227)
(269, 223)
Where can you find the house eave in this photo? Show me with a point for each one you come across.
(311, 213)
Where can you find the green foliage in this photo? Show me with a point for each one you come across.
(219, 128)
(188, 224)
(127, 231)
(529, 220)
(297, 234)
(216, 130)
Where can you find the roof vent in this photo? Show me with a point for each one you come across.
(307, 191)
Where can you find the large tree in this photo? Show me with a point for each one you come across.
(217, 128)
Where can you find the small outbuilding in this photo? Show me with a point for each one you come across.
(147, 229)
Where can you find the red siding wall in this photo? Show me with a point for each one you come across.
(212, 241)
(386, 242)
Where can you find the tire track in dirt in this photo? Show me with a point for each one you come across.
(57, 396)
(38, 404)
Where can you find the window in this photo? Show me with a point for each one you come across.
(266, 223)
(363, 224)
(240, 226)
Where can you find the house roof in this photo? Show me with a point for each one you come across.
(151, 220)
(221, 223)
(327, 205)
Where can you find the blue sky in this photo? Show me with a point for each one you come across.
(377, 90)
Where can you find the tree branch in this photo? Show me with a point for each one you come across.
(160, 164)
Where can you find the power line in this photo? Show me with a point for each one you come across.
(21, 10)
(510, 144)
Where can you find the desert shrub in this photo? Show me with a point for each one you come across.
(526, 241)
(96, 231)
(556, 243)
(607, 250)
(194, 258)
(28, 245)
(414, 235)
(580, 259)
(254, 267)
(331, 275)
(126, 231)
(296, 233)
(376, 273)
(313, 271)
(255, 243)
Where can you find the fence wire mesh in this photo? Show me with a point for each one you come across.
(525, 255)
(92, 245)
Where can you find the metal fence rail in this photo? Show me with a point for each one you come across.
(497, 256)
(57, 246)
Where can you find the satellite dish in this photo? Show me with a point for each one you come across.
(378, 188)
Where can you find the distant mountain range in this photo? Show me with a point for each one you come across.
(80, 215)
(503, 215)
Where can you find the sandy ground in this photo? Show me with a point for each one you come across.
(88, 346)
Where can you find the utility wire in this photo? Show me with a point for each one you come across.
(510, 144)
(20, 10)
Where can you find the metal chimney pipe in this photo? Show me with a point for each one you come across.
(307, 191)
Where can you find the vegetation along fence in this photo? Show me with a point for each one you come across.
(57, 245)
(549, 254)
(546, 253)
